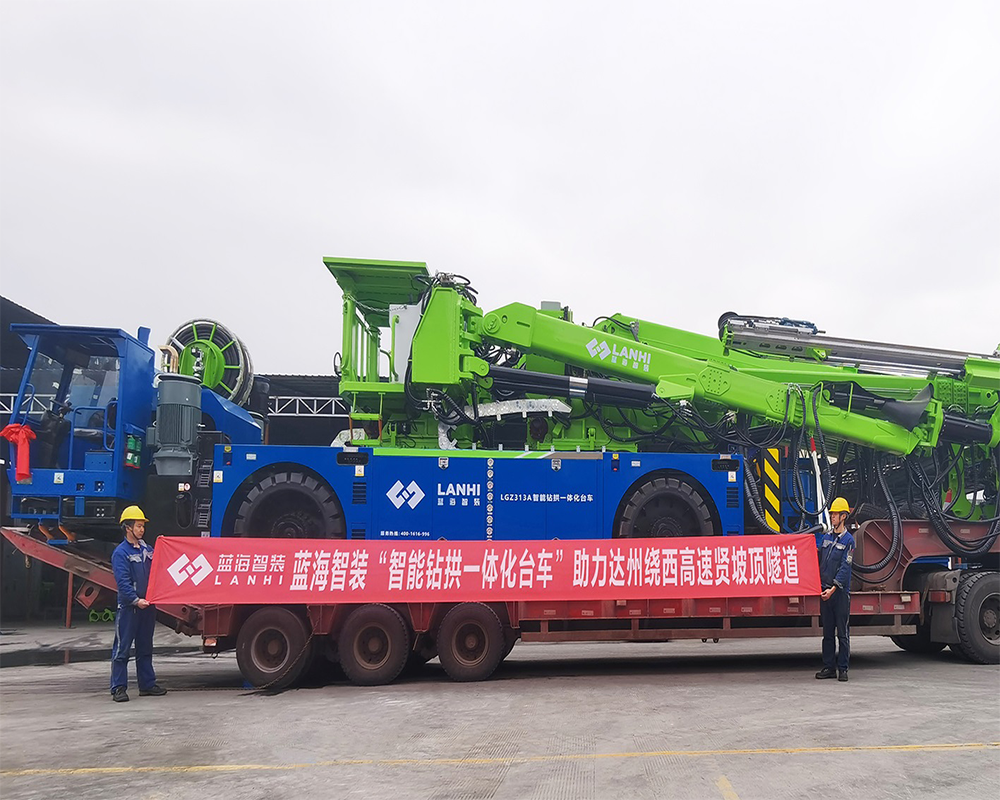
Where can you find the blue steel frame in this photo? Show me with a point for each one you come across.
(476, 494)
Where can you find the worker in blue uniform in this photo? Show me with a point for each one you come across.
(836, 553)
(136, 617)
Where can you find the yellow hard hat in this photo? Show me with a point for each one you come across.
(839, 504)
(132, 514)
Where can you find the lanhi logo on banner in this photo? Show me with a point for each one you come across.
(184, 568)
(399, 494)
(626, 356)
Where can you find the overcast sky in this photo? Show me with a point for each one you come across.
(839, 162)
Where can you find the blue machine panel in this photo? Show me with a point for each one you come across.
(480, 495)
(547, 498)
(428, 497)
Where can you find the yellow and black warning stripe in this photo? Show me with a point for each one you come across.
(771, 479)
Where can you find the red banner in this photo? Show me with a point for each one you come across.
(223, 571)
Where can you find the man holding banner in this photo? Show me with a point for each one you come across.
(136, 617)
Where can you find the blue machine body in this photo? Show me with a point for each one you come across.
(478, 494)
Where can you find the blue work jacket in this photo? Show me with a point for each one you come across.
(836, 553)
(131, 565)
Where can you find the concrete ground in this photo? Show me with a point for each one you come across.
(738, 719)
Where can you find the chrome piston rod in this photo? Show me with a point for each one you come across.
(792, 343)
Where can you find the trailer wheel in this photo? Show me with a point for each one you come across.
(977, 614)
(289, 504)
(273, 648)
(665, 506)
(919, 642)
(374, 645)
(470, 642)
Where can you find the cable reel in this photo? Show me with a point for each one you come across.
(208, 350)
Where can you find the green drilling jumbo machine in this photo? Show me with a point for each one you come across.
(424, 367)
(909, 435)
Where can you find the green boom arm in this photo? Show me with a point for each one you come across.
(684, 377)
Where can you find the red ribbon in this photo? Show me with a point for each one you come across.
(20, 436)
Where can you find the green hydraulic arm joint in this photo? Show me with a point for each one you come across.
(442, 353)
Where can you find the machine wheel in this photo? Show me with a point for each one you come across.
(977, 614)
(470, 642)
(374, 645)
(290, 504)
(867, 511)
(665, 506)
(273, 648)
(919, 642)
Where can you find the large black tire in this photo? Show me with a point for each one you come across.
(470, 642)
(866, 511)
(273, 648)
(289, 504)
(374, 645)
(919, 642)
(977, 617)
(663, 507)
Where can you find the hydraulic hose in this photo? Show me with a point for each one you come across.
(753, 500)
(798, 501)
(752, 496)
(939, 520)
(824, 458)
(896, 543)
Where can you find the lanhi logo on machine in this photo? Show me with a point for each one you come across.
(399, 494)
(638, 358)
(459, 490)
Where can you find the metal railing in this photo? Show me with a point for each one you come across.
(307, 407)
(333, 407)
(36, 403)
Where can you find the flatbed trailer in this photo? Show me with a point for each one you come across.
(277, 644)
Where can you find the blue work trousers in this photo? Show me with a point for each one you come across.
(835, 614)
(133, 625)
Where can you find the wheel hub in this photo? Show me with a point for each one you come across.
(470, 643)
(270, 650)
(372, 647)
(989, 619)
(292, 525)
(665, 527)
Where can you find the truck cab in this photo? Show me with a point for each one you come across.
(87, 395)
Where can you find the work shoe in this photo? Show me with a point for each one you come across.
(119, 695)
(842, 675)
(153, 691)
(826, 673)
